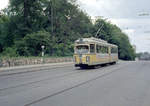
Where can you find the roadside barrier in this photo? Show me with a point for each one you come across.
(32, 61)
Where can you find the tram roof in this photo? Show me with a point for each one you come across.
(93, 40)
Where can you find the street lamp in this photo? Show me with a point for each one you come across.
(42, 50)
(42, 59)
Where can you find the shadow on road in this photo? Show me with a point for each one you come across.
(94, 67)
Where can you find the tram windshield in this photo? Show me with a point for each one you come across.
(82, 49)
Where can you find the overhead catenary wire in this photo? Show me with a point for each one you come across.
(99, 30)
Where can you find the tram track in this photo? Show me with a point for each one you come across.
(30, 83)
(75, 86)
(78, 87)
(47, 85)
(66, 74)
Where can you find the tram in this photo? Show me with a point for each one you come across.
(93, 52)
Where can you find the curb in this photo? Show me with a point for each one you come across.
(34, 66)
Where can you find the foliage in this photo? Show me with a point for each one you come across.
(143, 56)
(9, 52)
(114, 35)
(3, 31)
(27, 24)
(31, 44)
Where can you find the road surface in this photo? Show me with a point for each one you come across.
(123, 84)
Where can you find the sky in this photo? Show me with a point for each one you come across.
(126, 14)
(3, 4)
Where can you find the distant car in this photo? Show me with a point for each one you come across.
(93, 52)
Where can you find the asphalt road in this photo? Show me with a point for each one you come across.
(123, 84)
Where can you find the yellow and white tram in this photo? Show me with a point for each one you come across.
(93, 52)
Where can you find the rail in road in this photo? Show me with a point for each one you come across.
(32, 88)
(64, 90)
(47, 68)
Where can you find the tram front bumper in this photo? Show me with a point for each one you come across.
(81, 65)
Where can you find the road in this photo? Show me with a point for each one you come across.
(123, 84)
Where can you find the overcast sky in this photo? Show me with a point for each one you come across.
(3, 4)
(123, 13)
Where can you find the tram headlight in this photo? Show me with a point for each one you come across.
(87, 58)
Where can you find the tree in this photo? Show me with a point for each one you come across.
(4, 20)
(114, 35)
(31, 43)
(27, 24)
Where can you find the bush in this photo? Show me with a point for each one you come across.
(9, 52)
(31, 43)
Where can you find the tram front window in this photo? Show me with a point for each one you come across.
(82, 49)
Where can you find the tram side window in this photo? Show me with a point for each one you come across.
(97, 48)
(92, 48)
(101, 49)
(104, 49)
(114, 50)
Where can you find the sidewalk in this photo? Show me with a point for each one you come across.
(30, 68)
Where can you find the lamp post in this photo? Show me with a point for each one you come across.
(42, 53)
(42, 50)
